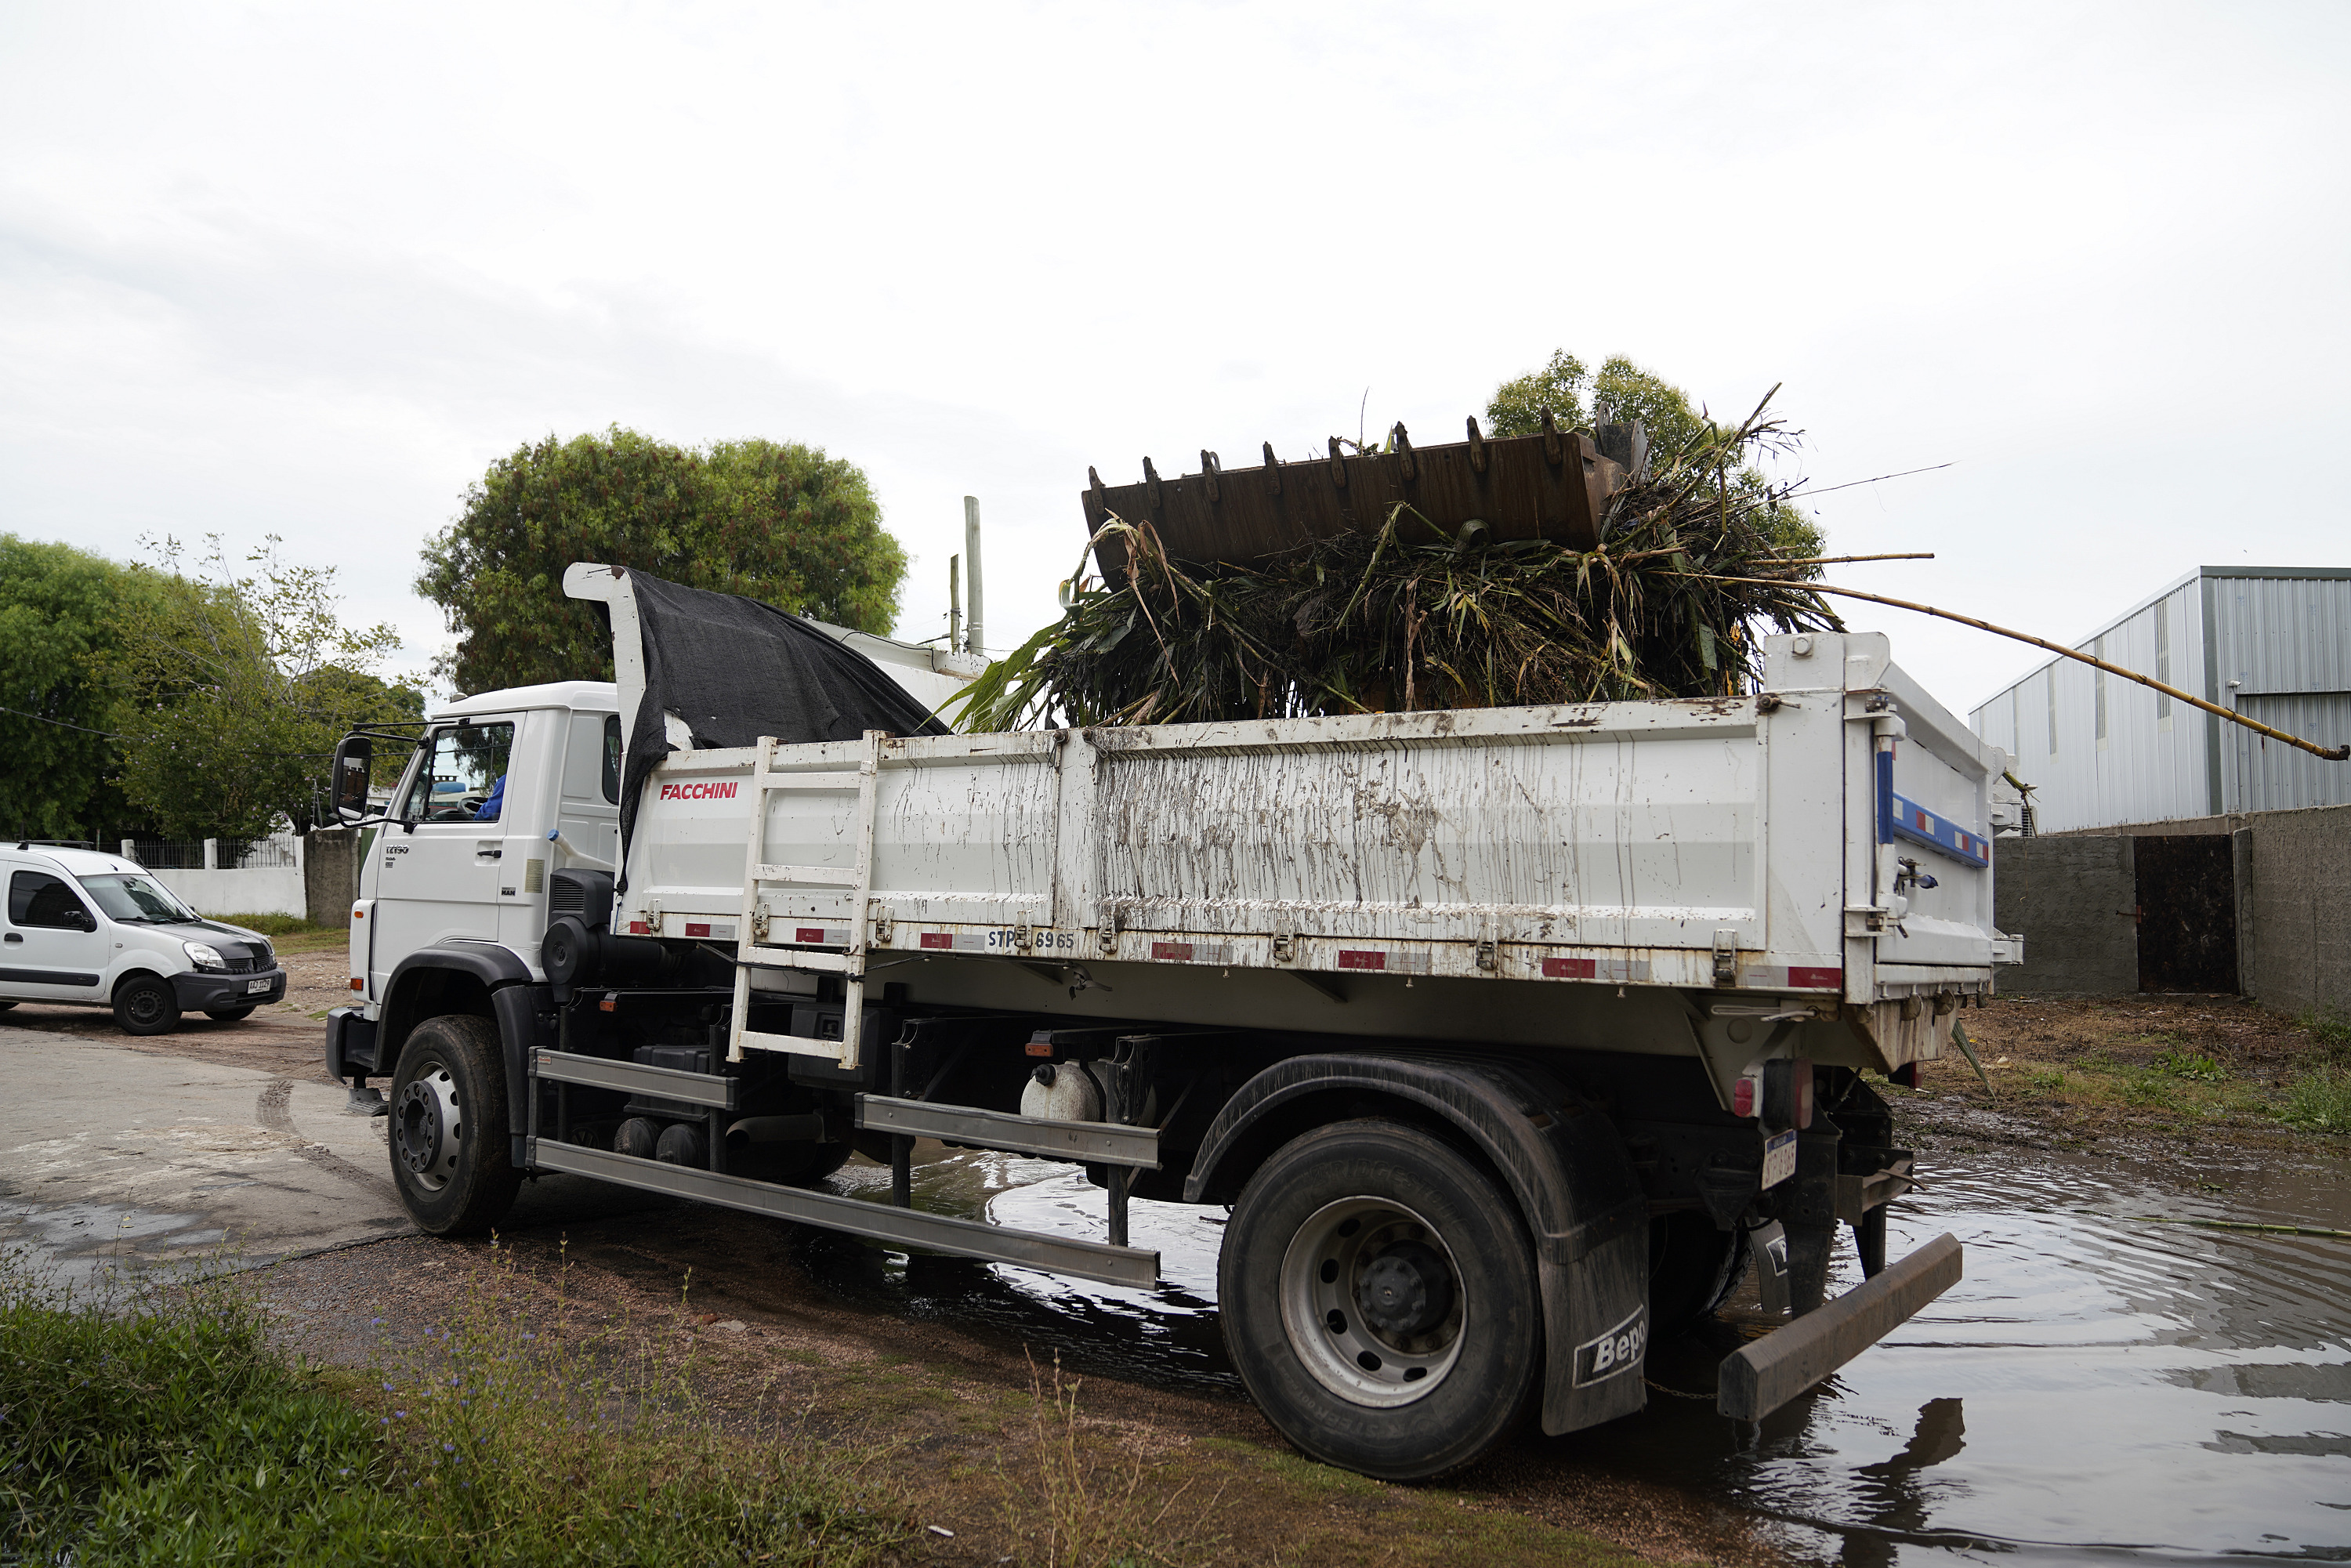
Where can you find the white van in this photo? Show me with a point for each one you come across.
(80, 926)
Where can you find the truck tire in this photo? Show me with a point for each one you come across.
(448, 1134)
(1693, 1268)
(146, 1004)
(1379, 1298)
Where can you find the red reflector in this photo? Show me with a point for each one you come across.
(694, 930)
(1179, 951)
(607, 1005)
(636, 927)
(808, 934)
(1816, 980)
(1571, 969)
(1041, 1048)
(1357, 959)
(937, 940)
(1742, 1097)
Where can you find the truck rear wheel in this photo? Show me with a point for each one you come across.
(1379, 1300)
(449, 1150)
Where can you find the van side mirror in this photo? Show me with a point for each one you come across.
(353, 768)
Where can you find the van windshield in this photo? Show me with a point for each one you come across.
(137, 899)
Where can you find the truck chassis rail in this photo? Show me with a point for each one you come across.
(1095, 1260)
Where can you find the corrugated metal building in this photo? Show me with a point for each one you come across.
(2101, 751)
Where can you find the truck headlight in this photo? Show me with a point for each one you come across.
(205, 955)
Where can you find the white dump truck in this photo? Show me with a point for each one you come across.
(1509, 1037)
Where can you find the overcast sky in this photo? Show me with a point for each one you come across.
(309, 269)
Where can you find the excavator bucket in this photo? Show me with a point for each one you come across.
(1554, 485)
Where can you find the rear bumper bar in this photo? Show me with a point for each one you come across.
(1762, 1375)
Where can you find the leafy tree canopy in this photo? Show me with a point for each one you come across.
(234, 684)
(60, 608)
(773, 521)
(1623, 391)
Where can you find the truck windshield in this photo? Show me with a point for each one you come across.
(463, 774)
(136, 900)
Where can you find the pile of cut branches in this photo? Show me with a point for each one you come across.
(1388, 622)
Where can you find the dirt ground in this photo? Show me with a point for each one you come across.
(2126, 1073)
(287, 1038)
(964, 1434)
(1181, 1476)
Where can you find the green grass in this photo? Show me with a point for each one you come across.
(2195, 1069)
(161, 1428)
(290, 933)
(2330, 1027)
(2319, 1100)
(275, 926)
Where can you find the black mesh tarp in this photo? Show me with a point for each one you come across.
(735, 669)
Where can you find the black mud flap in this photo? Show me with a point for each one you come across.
(1596, 1320)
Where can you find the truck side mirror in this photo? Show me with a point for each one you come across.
(353, 767)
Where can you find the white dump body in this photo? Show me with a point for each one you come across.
(1501, 860)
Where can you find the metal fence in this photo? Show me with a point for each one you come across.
(169, 854)
(277, 852)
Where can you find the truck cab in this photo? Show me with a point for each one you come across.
(501, 788)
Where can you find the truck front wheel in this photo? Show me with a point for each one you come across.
(449, 1127)
(1379, 1300)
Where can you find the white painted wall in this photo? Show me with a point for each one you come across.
(274, 890)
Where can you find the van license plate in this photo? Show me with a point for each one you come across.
(255, 987)
(1778, 1157)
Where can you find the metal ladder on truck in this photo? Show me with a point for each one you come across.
(755, 945)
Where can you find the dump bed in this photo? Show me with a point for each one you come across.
(1483, 875)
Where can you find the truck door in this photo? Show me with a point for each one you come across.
(53, 945)
(438, 864)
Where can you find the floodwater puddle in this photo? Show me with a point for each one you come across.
(2108, 1381)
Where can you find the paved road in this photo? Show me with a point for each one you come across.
(132, 1159)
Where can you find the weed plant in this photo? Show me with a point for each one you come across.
(157, 1425)
(2319, 1100)
(1082, 1509)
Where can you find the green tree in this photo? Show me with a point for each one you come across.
(1623, 391)
(234, 685)
(60, 608)
(773, 521)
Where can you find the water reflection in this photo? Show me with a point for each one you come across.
(2101, 1383)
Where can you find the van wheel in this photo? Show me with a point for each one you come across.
(146, 1004)
(448, 1135)
(1379, 1300)
(227, 1015)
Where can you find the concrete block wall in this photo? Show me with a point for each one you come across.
(2293, 900)
(331, 869)
(2060, 894)
(2297, 951)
